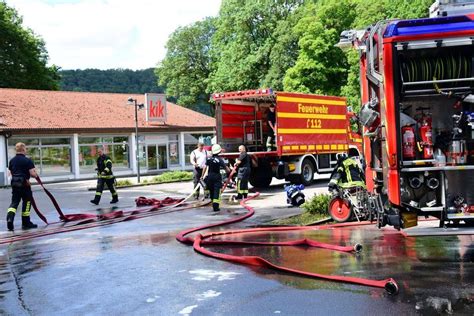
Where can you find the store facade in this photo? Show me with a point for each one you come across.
(65, 149)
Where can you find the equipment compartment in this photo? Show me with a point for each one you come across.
(428, 71)
(436, 122)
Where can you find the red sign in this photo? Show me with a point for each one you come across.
(155, 107)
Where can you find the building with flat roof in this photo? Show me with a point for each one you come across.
(63, 131)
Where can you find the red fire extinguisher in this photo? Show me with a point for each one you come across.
(408, 139)
(426, 137)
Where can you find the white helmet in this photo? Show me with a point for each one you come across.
(341, 156)
(216, 149)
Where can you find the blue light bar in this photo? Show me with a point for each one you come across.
(426, 26)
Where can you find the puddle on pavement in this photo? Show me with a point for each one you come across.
(435, 274)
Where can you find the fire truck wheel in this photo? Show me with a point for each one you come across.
(307, 172)
(339, 210)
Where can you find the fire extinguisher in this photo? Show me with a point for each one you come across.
(426, 138)
(408, 138)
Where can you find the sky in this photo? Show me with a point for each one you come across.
(108, 34)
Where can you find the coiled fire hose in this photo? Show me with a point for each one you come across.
(201, 240)
(453, 66)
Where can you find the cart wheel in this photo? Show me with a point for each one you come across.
(358, 248)
(391, 287)
(339, 210)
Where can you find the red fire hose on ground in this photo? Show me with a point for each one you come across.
(73, 222)
(201, 240)
(85, 221)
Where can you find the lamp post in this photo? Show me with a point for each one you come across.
(132, 101)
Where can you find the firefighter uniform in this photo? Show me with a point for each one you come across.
(198, 160)
(346, 174)
(271, 120)
(243, 175)
(105, 176)
(214, 165)
(20, 167)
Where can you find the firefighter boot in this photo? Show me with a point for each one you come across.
(114, 199)
(10, 218)
(26, 223)
(96, 199)
(215, 207)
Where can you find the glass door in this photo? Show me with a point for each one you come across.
(162, 157)
(152, 157)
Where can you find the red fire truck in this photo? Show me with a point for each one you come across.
(311, 129)
(417, 80)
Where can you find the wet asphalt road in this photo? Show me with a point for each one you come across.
(138, 268)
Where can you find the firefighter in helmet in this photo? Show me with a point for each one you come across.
(213, 167)
(348, 173)
(104, 176)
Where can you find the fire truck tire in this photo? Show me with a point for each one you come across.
(261, 177)
(307, 172)
(339, 210)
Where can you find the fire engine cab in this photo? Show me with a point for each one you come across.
(417, 85)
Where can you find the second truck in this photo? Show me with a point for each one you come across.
(311, 130)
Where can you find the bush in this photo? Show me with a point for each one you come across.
(172, 176)
(318, 204)
(122, 183)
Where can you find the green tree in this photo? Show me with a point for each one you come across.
(23, 56)
(321, 67)
(251, 46)
(187, 64)
(368, 12)
(110, 80)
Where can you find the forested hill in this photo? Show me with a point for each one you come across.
(110, 80)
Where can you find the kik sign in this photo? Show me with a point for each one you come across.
(155, 107)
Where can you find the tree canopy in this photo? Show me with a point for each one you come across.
(110, 80)
(187, 65)
(23, 56)
(282, 44)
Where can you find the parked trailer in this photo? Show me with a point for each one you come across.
(417, 82)
(311, 129)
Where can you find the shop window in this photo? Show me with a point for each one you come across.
(174, 153)
(116, 147)
(52, 156)
(55, 141)
(87, 157)
(89, 140)
(55, 160)
(121, 139)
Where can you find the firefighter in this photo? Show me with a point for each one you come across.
(214, 164)
(243, 174)
(271, 120)
(21, 169)
(198, 159)
(347, 174)
(104, 176)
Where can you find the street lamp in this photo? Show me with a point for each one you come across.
(132, 101)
